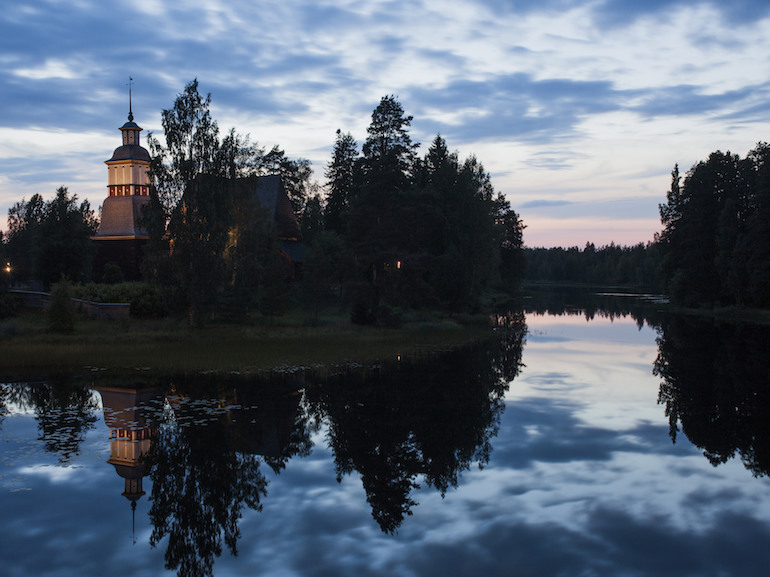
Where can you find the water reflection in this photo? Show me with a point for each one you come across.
(396, 423)
(65, 410)
(197, 446)
(462, 459)
(205, 463)
(716, 386)
(558, 301)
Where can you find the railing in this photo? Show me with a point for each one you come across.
(41, 300)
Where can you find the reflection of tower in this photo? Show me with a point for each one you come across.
(121, 236)
(132, 416)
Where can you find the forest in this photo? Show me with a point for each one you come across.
(388, 230)
(635, 266)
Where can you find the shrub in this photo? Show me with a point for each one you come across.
(61, 311)
(147, 301)
(112, 273)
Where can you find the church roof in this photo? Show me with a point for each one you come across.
(272, 195)
(130, 152)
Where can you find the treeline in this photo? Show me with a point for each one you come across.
(427, 231)
(393, 229)
(716, 238)
(48, 240)
(638, 265)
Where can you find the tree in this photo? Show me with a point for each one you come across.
(311, 219)
(23, 241)
(328, 267)
(65, 243)
(198, 231)
(753, 246)
(340, 179)
(513, 263)
(216, 236)
(703, 221)
(48, 240)
(295, 175)
(378, 227)
(192, 146)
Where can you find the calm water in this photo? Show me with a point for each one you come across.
(579, 444)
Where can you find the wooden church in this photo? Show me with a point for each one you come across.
(121, 237)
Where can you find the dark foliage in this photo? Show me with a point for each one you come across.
(426, 232)
(61, 311)
(716, 237)
(638, 266)
(48, 240)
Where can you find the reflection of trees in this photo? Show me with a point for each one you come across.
(65, 411)
(205, 466)
(5, 393)
(200, 485)
(430, 417)
(578, 301)
(715, 384)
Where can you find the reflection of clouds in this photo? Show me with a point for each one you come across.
(581, 481)
(602, 368)
(52, 473)
(564, 493)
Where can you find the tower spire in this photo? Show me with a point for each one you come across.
(130, 110)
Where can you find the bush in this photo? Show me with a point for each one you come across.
(112, 274)
(147, 301)
(365, 299)
(61, 311)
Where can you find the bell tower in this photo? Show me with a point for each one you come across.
(121, 234)
(127, 170)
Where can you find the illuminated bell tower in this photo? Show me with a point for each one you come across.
(121, 236)
(127, 169)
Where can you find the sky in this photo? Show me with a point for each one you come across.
(579, 110)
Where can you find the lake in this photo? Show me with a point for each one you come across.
(589, 439)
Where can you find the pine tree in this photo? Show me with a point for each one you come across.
(340, 181)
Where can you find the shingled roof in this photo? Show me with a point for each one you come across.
(272, 195)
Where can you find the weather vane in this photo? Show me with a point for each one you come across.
(130, 109)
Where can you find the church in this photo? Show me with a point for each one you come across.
(121, 237)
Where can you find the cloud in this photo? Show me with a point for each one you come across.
(555, 97)
(619, 12)
(543, 202)
(516, 107)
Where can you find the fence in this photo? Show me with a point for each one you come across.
(39, 299)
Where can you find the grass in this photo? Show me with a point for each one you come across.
(168, 345)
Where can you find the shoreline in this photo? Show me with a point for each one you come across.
(166, 346)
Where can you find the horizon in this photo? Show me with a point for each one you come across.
(579, 113)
